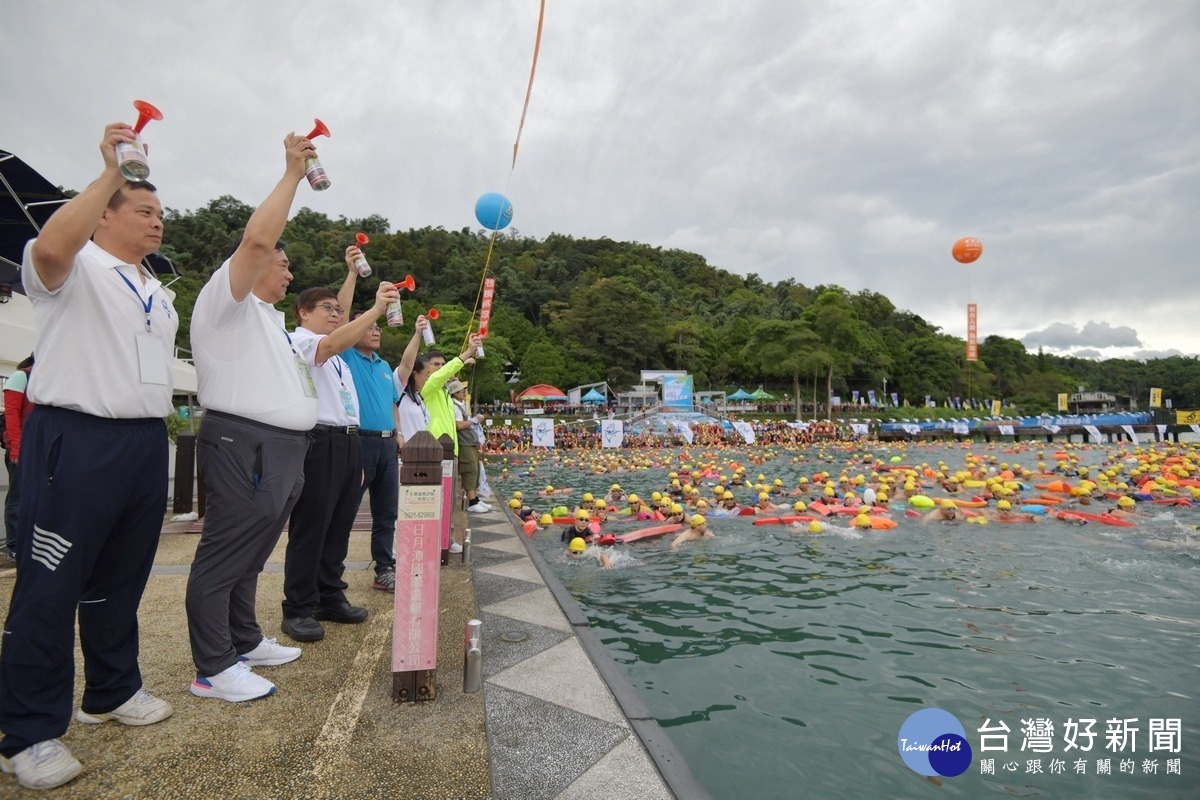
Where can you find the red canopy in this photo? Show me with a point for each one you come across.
(542, 392)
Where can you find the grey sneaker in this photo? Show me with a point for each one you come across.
(385, 580)
(44, 765)
(455, 547)
(141, 709)
(270, 653)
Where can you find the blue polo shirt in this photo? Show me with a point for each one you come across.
(376, 390)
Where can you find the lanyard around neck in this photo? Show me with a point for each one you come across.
(147, 304)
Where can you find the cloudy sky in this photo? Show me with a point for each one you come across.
(829, 142)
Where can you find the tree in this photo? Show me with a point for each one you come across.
(783, 349)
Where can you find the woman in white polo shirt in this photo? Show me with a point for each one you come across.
(319, 529)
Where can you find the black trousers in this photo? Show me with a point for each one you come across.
(94, 492)
(319, 528)
(381, 476)
(253, 475)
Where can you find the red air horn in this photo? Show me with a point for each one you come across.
(131, 156)
(395, 312)
(360, 264)
(427, 333)
(313, 170)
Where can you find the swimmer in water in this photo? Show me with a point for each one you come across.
(946, 512)
(578, 547)
(697, 529)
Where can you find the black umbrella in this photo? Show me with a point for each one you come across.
(27, 200)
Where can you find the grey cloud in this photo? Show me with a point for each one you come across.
(1149, 355)
(847, 143)
(1065, 336)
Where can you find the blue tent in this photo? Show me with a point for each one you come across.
(592, 397)
(740, 394)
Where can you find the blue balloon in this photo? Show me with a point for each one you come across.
(493, 211)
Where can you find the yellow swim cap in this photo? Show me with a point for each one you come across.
(514, 504)
(862, 521)
(696, 521)
(1003, 505)
(587, 497)
(655, 497)
(764, 496)
(549, 488)
(581, 514)
(633, 499)
(676, 508)
(778, 482)
(577, 545)
(1125, 502)
(519, 495)
(614, 487)
(799, 506)
(948, 503)
(545, 519)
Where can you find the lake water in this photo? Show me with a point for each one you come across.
(784, 664)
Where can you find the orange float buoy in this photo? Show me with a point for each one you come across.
(967, 249)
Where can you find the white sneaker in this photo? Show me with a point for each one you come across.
(141, 709)
(44, 765)
(235, 684)
(455, 547)
(479, 508)
(270, 653)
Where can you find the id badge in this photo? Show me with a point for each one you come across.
(348, 403)
(152, 362)
(306, 378)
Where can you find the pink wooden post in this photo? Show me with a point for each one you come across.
(419, 531)
(449, 496)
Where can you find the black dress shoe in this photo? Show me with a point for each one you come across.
(342, 612)
(303, 629)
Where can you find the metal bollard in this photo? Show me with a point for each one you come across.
(466, 553)
(472, 657)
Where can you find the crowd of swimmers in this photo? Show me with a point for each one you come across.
(866, 489)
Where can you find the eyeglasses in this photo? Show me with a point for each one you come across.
(374, 329)
(331, 308)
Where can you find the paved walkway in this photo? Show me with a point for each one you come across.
(556, 717)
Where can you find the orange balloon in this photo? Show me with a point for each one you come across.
(967, 250)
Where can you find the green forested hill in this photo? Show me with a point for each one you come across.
(573, 311)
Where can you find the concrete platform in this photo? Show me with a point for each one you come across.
(556, 717)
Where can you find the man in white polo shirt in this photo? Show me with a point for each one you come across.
(259, 405)
(93, 472)
(319, 528)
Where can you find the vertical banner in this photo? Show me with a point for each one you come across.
(854, 397)
(747, 433)
(677, 391)
(612, 433)
(972, 346)
(684, 430)
(485, 309)
(896, 399)
(574, 396)
(1133, 437)
(543, 432)
(870, 397)
(1062, 401)
(996, 408)
(1155, 398)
